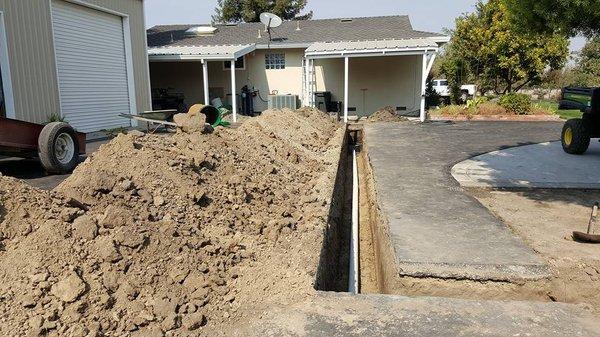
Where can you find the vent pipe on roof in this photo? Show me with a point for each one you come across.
(298, 27)
(201, 31)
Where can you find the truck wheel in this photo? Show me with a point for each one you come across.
(58, 148)
(575, 137)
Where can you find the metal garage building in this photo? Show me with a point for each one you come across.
(83, 60)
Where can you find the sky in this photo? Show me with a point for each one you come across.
(429, 15)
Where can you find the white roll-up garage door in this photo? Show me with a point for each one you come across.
(92, 67)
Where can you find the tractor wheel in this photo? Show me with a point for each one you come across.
(58, 148)
(575, 137)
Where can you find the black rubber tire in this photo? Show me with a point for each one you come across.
(47, 146)
(580, 140)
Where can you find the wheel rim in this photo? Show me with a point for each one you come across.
(64, 148)
(568, 137)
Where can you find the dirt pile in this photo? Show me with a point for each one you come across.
(386, 114)
(171, 235)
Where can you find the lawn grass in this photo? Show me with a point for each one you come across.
(553, 106)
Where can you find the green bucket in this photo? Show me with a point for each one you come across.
(214, 116)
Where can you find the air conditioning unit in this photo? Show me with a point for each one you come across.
(283, 101)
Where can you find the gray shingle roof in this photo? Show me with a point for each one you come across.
(327, 30)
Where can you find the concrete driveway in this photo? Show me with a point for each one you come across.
(543, 165)
(32, 172)
(437, 229)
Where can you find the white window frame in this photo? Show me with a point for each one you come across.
(128, 52)
(228, 68)
(274, 66)
(6, 79)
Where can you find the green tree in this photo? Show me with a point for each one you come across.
(589, 59)
(249, 10)
(485, 48)
(432, 98)
(568, 17)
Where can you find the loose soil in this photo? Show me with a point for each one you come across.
(386, 114)
(171, 234)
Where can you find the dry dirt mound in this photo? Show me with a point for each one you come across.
(170, 233)
(387, 114)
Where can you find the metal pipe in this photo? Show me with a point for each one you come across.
(346, 78)
(353, 279)
(423, 114)
(233, 92)
(205, 81)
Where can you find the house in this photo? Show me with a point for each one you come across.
(367, 62)
(85, 61)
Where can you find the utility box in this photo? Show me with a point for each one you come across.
(283, 101)
(323, 100)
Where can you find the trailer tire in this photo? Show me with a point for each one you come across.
(58, 148)
(575, 137)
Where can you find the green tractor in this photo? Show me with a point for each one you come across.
(577, 132)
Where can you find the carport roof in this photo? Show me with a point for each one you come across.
(230, 52)
(373, 47)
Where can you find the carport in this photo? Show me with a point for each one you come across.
(204, 54)
(423, 48)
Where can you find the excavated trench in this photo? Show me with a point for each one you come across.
(378, 272)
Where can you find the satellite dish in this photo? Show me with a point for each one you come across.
(270, 20)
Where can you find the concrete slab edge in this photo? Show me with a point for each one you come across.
(506, 273)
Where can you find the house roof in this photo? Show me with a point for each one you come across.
(311, 31)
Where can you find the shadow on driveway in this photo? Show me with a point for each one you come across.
(32, 172)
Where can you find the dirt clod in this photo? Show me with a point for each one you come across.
(69, 289)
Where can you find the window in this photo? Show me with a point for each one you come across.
(444, 83)
(275, 61)
(240, 64)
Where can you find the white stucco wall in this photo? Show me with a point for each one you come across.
(374, 82)
(186, 77)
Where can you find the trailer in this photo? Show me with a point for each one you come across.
(57, 145)
(578, 132)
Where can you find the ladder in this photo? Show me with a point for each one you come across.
(309, 81)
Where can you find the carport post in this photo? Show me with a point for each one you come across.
(205, 81)
(233, 91)
(346, 66)
(423, 84)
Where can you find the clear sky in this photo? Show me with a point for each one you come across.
(427, 15)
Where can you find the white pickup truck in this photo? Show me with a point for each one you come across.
(441, 87)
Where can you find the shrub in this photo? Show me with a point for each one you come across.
(54, 117)
(456, 110)
(490, 109)
(476, 102)
(432, 98)
(518, 104)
